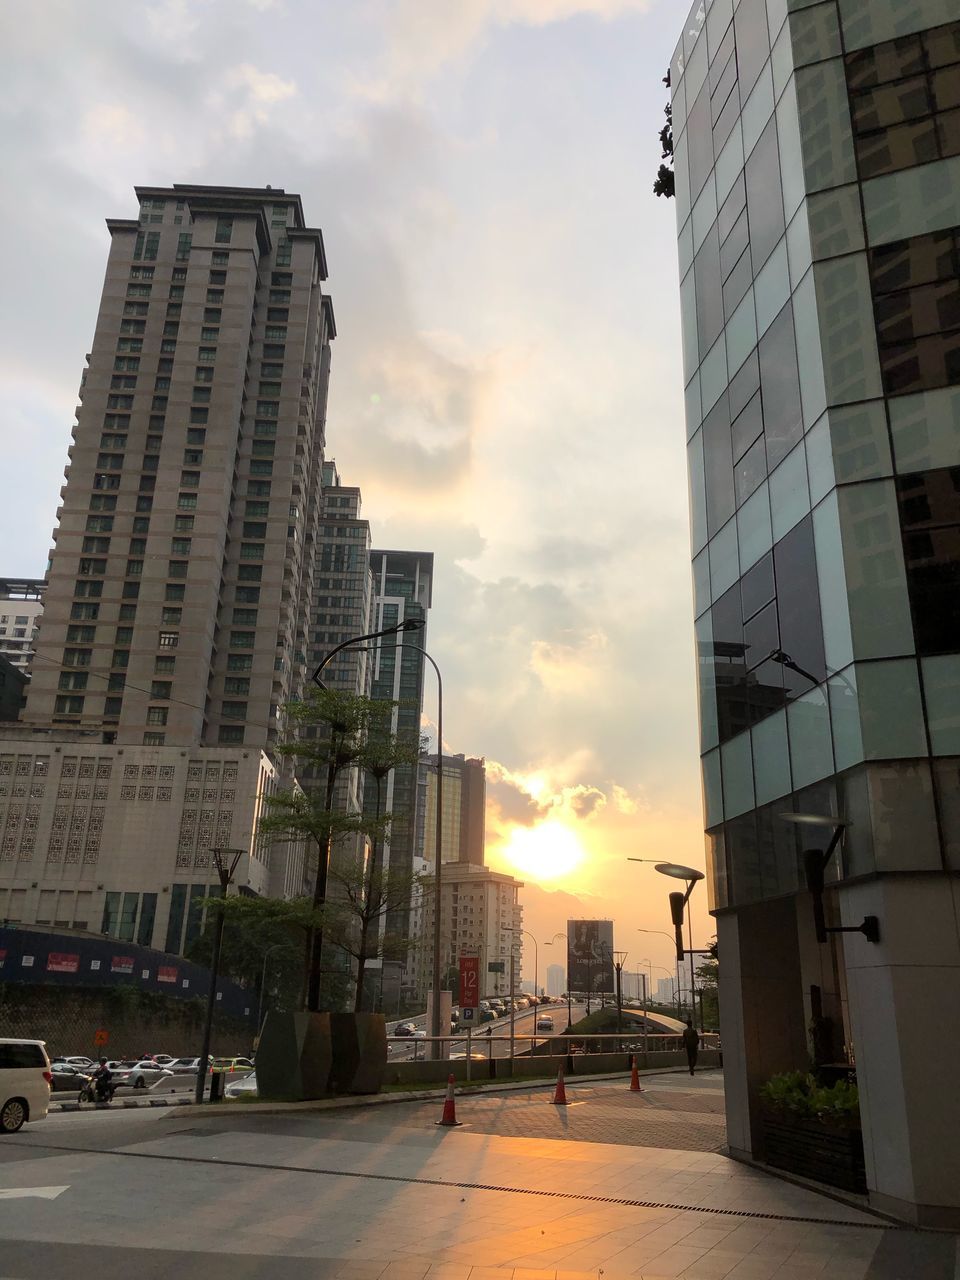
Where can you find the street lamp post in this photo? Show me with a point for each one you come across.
(225, 875)
(690, 876)
(660, 966)
(263, 980)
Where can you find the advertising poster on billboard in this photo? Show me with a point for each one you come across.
(121, 964)
(62, 962)
(590, 955)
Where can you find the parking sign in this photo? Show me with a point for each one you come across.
(469, 982)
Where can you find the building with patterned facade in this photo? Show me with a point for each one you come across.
(817, 170)
(21, 604)
(177, 605)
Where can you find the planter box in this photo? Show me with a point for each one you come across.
(294, 1057)
(359, 1045)
(814, 1150)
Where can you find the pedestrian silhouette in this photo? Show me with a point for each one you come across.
(691, 1042)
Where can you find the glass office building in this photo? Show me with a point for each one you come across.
(817, 160)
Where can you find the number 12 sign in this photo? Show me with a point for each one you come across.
(469, 982)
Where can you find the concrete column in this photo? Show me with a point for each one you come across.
(904, 1005)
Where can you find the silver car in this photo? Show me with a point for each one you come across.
(139, 1075)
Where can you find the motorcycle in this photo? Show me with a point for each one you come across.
(100, 1096)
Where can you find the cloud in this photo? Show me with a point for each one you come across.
(261, 86)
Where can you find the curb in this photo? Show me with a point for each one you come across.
(124, 1104)
(346, 1103)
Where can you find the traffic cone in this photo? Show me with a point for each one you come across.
(560, 1094)
(449, 1117)
(635, 1077)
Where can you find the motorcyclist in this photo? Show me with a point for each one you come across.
(101, 1081)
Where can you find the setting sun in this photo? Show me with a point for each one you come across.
(547, 851)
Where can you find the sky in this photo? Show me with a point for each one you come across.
(506, 386)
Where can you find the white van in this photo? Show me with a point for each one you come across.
(25, 1081)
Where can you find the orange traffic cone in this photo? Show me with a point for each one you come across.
(635, 1077)
(560, 1095)
(449, 1117)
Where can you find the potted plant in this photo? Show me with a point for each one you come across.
(813, 1130)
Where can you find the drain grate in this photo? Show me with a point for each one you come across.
(579, 1197)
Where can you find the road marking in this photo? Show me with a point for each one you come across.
(39, 1193)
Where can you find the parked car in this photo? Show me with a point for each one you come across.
(404, 1029)
(183, 1066)
(79, 1062)
(244, 1087)
(66, 1076)
(25, 1080)
(139, 1075)
(488, 1015)
(545, 1022)
(229, 1066)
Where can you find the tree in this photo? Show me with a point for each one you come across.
(665, 185)
(708, 972)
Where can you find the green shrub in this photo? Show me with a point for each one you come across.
(796, 1093)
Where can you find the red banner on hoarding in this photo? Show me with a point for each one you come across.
(469, 982)
(166, 974)
(121, 964)
(60, 962)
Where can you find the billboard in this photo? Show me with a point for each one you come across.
(590, 955)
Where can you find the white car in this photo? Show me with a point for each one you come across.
(183, 1066)
(245, 1087)
(25, 1080)
(138, 1074)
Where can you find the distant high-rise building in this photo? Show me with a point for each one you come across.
(817, 153)
(175, 620)
(464, 792)
(556, 979)
(480, 915)
(21, 604)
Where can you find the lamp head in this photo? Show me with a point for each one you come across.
(678, 872)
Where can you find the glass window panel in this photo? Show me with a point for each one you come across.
(712, 790)
(704, 212)
(941, 684)
(691, 404)
(942, 45)
(719, 31)
(732, 208)
(773, 287)
(904, 821)
(697, 492)
(819, 460)
(811, 750)
(874, 566)
(685, 247)
(836, 224)
(781, 61)
(891, 104)
(706, 684)
(891, 715)
(848, 335)
(681, 174)
(824, 113)
(741, 333)
(948, 133)
(751, 470)
(706, 270)
(747, 428)
(730, 675)
(912, 203)
(922, 364)
(688, 322)
(845, 719)
(799, 249)
(780, 382)
(744, 384)
(925, 429)
(813, 392)
(761, 635)
(729, 162)
(906, 264)
(764, 202)
(771, 759)
(947, 780)
(743, 859)
(911, 313)
(737, 764)
(791, 150)
(753, 528)
(890, 60)
(930, 516)
(753, 41)
(699, 141)
(789, 492)
(735, 245)
(737, 283)
(696, 69)
(757, 110)
(861, 446)
(701, 582)
(901, 147)
(832, 585)
(756, 586)
(713, 375)
(795, 567)
(816, 34)
(726, 121)
(724, 560)
(718, 466)
(723, 81)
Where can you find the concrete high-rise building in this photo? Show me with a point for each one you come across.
(481, 915)
(21, 604)
(464, 797)
(556, 979)
(175, 621)
(817, 157)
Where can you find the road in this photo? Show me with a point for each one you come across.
(381, 1193)
(499, 1040)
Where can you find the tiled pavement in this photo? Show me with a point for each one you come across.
(383, 1193)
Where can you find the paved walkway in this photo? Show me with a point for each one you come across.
(382, 1194)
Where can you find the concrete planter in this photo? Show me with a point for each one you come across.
(359, 1046)
(810, 1149)
(294, 1057)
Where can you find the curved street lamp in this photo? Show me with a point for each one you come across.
(691, 876)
